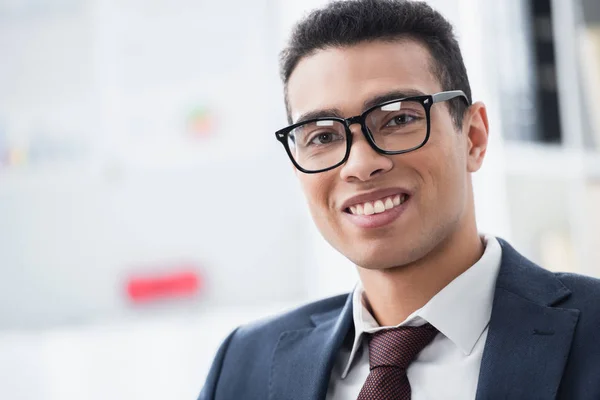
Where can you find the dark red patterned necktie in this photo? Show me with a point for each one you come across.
(390, 353)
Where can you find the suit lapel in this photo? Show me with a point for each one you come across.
(303, 359)
(528, 339)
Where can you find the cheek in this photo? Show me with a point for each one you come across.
(317, 189)
(452, 180)
(440, 170)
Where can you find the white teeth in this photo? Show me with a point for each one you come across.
(379, 207)
(389, 204)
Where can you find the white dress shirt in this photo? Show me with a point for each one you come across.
(448, 368)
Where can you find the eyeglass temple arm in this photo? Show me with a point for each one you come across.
(449, 95)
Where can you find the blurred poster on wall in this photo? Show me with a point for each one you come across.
(184, 59)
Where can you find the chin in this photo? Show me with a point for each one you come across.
(384, 255)
(380, 259)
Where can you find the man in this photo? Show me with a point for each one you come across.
(384, 138)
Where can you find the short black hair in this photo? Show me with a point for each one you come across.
(350, 22)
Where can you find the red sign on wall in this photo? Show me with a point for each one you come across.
(148, 288)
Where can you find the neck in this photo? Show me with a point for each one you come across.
(393, 294)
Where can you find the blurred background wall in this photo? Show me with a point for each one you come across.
(146, 209)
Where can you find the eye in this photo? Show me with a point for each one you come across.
(325, 138)
(402, 119)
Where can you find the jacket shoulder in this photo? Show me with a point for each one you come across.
(250, 348)
(585, 290)
(585, 293)
(583, 365)
(298, 318)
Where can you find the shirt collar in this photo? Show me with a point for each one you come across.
(461, 311)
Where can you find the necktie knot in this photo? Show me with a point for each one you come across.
(398, 347)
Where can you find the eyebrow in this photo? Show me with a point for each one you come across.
(393, 95)
(328, 112)
(371, 102)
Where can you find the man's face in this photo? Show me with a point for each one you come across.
(434, 179)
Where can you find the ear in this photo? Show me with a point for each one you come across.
(475, 126)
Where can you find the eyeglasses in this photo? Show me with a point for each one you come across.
(394, 127)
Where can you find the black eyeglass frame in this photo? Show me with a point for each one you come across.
(426, 100)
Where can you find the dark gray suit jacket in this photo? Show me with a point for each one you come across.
(543, 343)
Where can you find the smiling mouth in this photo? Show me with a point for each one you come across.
(377, 206)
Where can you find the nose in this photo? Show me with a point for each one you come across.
(363, 163)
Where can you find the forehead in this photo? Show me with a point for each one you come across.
(344, 78)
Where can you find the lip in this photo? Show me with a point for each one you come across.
(375, 195)
(378, 220)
